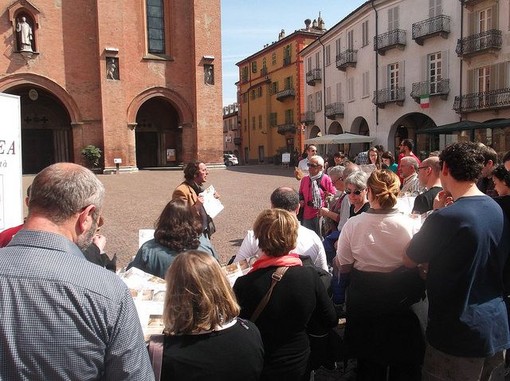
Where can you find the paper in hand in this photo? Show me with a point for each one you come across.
(212, 205)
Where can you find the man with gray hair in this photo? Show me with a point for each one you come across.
(411, 185)
(428, 176)
(308, 243)
(64, 318)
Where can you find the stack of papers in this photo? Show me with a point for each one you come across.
(148, 292)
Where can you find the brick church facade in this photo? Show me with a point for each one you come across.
(140, 80)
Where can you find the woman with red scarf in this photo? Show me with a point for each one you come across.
(298, 304)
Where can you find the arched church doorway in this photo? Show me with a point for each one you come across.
(46, 135)
(158, 134)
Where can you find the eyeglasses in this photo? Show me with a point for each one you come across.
(338, 179)
(356, 192)
(313, 165)
(426, 166)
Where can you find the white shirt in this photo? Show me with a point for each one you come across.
(411, 185)
(303, 166)
(308, 244)
(345, 212)
(375, 242)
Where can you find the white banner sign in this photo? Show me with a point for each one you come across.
(11, 190)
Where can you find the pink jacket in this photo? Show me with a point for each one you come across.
(305, 194)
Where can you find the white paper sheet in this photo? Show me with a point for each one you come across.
(212, 205)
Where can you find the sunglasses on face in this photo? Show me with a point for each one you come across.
(356, 192)
(313, 165)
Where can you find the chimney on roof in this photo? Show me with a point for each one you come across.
(321, 22)
(281, 34)
(314, 24)
(307, 24)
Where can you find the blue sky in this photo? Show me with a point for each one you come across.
(246, 26)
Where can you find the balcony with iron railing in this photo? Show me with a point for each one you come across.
(238, 141)
(484, 42)
(286, 128)
(333, 110)
(347, 58)
(263, 71)
(441, 88)
(314, 75)
(391, 95)
(287, 61)
(393, 39)
(482, 101)
(435, 26)
(284, 94)
(308, 117)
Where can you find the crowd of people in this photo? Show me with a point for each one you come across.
(424, 294)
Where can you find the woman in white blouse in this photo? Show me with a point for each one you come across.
(381, 328)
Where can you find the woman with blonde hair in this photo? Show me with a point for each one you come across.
(299, 300)
(203, 335)
(383, 332)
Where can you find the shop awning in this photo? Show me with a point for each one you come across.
(463, 126)
(344, 138)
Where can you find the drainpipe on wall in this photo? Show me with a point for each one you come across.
(323, 84)
(376, 68)
(461, 59)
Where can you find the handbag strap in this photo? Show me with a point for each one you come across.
(156, 354)
(275, 278)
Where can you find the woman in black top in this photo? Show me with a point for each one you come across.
(356, 190)
(299, 300)
(204, 338)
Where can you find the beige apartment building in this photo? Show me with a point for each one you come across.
(435, 71)
(231, 130)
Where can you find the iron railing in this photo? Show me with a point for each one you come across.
(441, 87)
(308, 117)
(346, 59)
(479, 42)
(287, 127)
(313, 75)
(396, 94)
(389, 40)
(485, 100)
(281, 95)
(431, 26)
(333, 110)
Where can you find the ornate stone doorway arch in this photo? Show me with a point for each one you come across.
(164, 131)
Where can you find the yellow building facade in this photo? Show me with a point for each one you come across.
(270, 99)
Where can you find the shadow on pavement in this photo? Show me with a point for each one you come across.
(264, 169)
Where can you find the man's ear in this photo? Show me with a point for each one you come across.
(84, 222)
(445, 169)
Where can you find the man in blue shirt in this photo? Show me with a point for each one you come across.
(465, 246)
(62, 317)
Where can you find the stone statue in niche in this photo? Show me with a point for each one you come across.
(112, 68)
(25, 35)
(208, 75)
